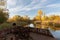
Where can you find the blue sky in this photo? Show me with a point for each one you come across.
(30, 7)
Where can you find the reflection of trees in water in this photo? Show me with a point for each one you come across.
(46, 25)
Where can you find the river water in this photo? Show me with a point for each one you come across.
(56, 33)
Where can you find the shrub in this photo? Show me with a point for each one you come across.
(5, 25)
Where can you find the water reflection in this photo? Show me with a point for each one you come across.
(56, 33)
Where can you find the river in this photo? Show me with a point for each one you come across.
(56, 33)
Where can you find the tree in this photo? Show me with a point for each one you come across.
(3, 16)
(20, 20)
(16, 18)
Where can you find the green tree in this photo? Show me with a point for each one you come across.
(3, 16)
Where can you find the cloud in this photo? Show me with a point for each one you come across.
(15, 9)
(53, 13)
(11, 3)
(54, 5)
(34, 4)
(35, 1)
(43, 1)
(18, 8)
(29, 7)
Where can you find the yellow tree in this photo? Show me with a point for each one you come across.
(20, 20)
(54, 21)
(57, 18)
(26, 19)
(39, 15)
(37, 19)
(14, 18)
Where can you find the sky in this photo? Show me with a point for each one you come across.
(30, 7)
